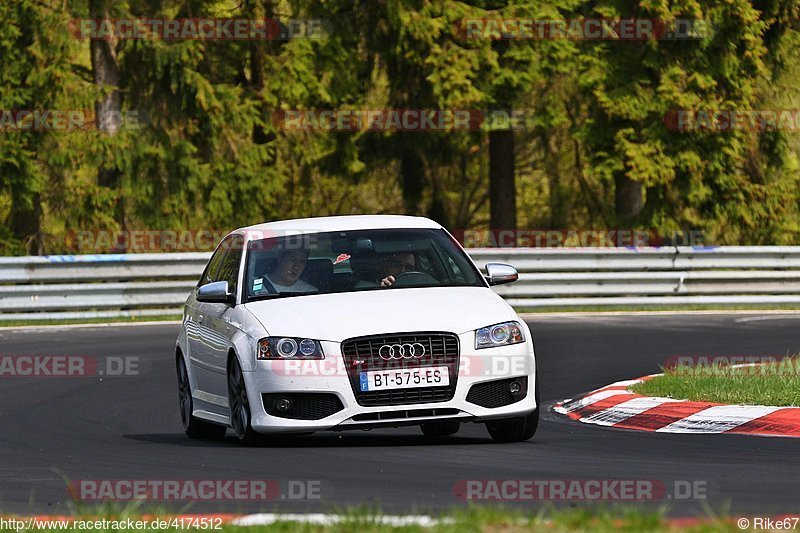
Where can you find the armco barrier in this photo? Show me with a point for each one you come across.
(93, 286)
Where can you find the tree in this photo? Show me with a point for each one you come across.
(668, 179)
(36, 77)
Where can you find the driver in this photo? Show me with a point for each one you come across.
(395, 264)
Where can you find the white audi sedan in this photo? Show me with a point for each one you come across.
(352, 322)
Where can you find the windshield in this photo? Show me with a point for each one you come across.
(359, 260)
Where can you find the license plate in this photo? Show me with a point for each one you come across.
(407, 378)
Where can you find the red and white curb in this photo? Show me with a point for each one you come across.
(616, 406)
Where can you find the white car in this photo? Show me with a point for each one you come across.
(352, 322)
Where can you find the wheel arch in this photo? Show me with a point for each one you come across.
(243, 347)
(231, 356)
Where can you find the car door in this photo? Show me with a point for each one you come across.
(200, 337)
(217, 321)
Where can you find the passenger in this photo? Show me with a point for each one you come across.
(285, 277)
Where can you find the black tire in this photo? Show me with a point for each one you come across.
(517, 429)
(442, 428)
(193, 426)
(239, 404)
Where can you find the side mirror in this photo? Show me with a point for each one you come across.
(216, 293)
(499, 273)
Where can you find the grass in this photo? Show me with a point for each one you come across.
(602, 519)
(107, 320)
(776, 384)
(534, 310)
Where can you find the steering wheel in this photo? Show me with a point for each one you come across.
(413, 277)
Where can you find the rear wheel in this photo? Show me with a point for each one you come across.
(440, 429)
(240, 406)
(517, 429)
(193, 426)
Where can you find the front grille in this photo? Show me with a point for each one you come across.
(361, 355)
(305, 405)
(495, 393)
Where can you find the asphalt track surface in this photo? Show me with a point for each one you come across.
(52, 429)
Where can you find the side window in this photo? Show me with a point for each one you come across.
(229, 271)
(209, 275)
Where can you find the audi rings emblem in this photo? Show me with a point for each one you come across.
(401, 351)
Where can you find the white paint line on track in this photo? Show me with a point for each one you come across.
(625, 410)
(589, 400)
(624, 383)
(265, 519)
(762, 318)
(599, 314)
(718, 419)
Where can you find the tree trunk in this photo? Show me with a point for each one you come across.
(628, 199)
(412, 175)
(260, 9)
(26, 221)
(502, 182)
(106, 74)
(557, 200)
(438, 210)
(108, 110)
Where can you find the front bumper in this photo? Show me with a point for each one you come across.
(329, 376)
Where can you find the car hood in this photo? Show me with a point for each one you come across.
(335, 317)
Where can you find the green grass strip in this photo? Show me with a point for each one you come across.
(776, 383)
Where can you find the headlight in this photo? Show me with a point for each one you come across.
(499, 335)
(289, 348)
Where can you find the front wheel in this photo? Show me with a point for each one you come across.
(240, 406)
(193, 426)
(516, 429)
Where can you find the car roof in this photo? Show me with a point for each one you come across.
(337, 223)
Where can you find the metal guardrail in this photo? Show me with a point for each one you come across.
(96, 286)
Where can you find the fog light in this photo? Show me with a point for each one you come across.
(514, 388)
(283, 405)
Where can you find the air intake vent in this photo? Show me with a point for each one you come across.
(302, 405)
(497, 393)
